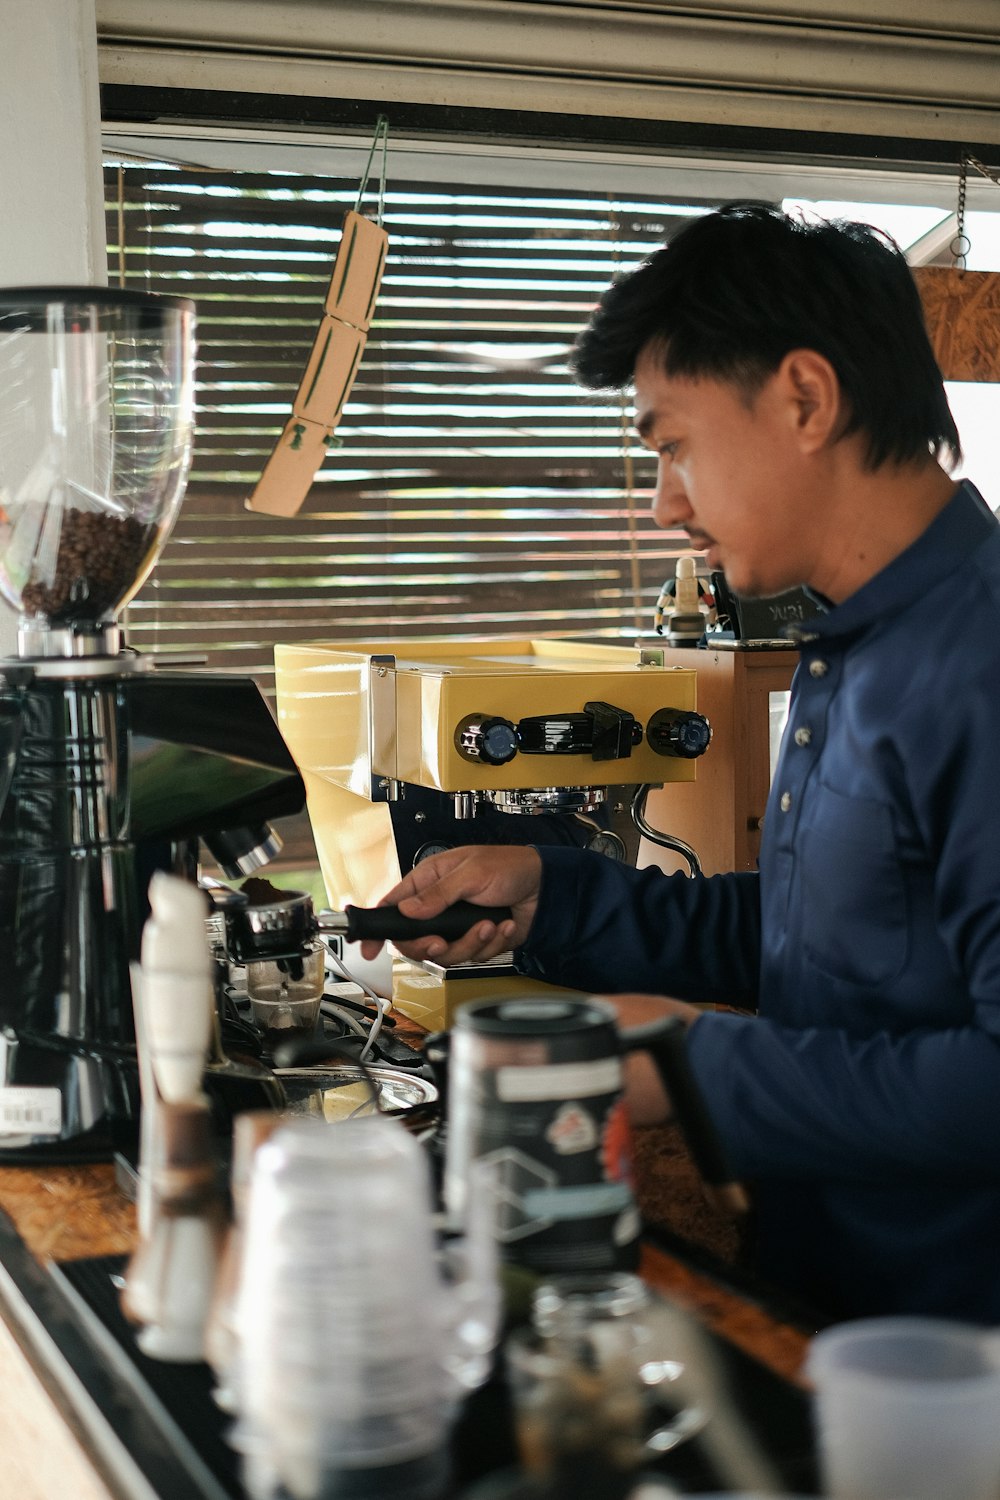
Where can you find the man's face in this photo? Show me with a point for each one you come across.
(730, 474)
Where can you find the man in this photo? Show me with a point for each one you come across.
(783, 376)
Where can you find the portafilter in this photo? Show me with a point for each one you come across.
(280, 924)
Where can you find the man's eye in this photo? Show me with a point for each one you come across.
(667, 450)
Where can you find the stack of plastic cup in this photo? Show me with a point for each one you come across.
(345, 1329)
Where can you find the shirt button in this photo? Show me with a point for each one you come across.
(786, 801)
(818, 667)
(803, 735)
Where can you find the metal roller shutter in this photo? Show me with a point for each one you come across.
(910, 69)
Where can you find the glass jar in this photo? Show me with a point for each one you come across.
(286, 993)
(596, 1385)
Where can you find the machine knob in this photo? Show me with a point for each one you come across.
(677, 731)
(482, 737)
(602, 731)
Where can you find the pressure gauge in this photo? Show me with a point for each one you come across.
(432, 846)
(608, 843)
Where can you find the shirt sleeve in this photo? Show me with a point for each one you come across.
(604, 927)
(821, 1104)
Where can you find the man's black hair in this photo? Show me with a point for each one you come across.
(733, 291)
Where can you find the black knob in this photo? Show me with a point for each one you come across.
(485, 738)
(677, 731)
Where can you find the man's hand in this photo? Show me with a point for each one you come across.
(487, 875)
(645, 1096)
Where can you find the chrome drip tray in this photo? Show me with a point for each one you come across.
(345, 1091)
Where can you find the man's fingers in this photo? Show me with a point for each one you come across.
(481, 942)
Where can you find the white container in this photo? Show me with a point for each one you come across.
(907, 1409)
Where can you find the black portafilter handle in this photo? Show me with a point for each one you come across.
(666, 1040)
(382, 924)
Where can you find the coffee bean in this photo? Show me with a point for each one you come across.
(98, 559)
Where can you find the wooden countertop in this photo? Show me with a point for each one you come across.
(72, 1213)
(779, 1345)
(707, 1276)
(78, 1212)
(68, 1213)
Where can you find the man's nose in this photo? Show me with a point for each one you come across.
(670, 503)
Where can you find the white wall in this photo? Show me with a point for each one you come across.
(50, 158)
(50, 145)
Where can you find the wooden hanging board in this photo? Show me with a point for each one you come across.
(330, 369)
(962, 309)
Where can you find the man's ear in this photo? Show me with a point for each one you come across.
(809, 386)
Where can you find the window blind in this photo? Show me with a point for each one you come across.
(476, 490)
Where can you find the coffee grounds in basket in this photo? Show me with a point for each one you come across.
(262, 893)
(99, 558)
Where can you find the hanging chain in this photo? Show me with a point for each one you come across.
(961, 244)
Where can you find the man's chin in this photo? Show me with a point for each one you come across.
(745, 585)
(758, 588)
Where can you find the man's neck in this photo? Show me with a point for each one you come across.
(876, 514)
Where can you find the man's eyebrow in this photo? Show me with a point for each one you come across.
(645, 424)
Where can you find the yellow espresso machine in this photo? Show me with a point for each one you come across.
(470, 739)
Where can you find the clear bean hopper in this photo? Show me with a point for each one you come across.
(95, 435)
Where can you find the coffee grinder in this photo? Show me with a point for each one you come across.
(96, 418)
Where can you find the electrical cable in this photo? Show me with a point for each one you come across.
(379, 1001)
(351, 1023)
(345, 972)
(376, 1027)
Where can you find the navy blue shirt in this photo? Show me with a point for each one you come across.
(863, 1099)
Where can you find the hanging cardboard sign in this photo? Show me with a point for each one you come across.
(330, 369)
(357, 273)
(291, 468)
(333, 360)
(329, 373)
(962, 311)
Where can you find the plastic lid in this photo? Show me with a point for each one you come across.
(534, 1015)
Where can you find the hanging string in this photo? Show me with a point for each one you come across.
(961, 244)
(121, 225)
(625, 432)
(635, 572)
(381, 136)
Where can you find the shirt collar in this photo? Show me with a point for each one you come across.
(947, 544)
